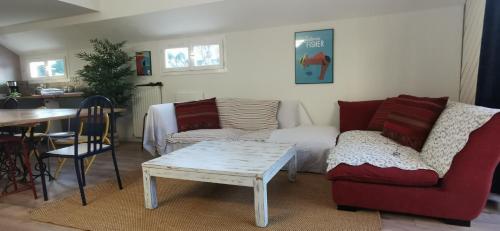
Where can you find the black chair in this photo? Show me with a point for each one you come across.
(92, 110)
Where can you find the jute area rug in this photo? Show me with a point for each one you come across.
(186, 205)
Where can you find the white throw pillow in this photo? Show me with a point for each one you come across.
(288, 114)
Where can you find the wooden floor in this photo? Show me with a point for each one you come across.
(14, 209)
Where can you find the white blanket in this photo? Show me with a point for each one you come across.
(448, 137)
(160, 122)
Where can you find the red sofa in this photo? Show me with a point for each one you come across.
(457, 198)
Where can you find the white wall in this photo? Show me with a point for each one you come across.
(9, 65)
(375, 57)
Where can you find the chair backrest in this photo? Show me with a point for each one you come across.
(10, 103)
(93, 111)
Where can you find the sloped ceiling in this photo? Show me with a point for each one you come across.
(213, 17)
(14, 12)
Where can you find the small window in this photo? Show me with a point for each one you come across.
(177, 57)
(47, 68)
(196, 56)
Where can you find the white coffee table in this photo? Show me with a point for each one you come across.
(243, 163)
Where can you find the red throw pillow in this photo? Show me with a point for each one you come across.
(441, 100)
(378, 120)
(380, 116)
(411, 121)
(202, 114)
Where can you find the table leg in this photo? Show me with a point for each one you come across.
(292, 168)
(150, 200)
(260, 201)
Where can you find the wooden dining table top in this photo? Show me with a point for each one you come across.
(14, 117)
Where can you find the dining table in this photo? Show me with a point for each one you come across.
(30, 117)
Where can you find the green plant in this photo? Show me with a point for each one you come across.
(107, 71)
(15, 94)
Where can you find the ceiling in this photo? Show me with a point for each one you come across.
(216, 17)
(23, 11)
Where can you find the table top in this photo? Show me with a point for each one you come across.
(236, 158)
(13, 117)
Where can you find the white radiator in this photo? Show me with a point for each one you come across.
(145, 95)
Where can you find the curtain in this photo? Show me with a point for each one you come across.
(488, 85)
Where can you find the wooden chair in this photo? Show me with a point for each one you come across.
(91, 111)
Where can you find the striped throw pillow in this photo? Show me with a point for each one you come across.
(411, 121)
(248, 114)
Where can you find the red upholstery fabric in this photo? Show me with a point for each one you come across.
(202, 114)
(368, 173)
(411, 121)
(441, 100)
(461, 195)
(357, 115)
(380, 116)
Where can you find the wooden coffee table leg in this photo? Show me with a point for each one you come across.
(260, 201)
(150, 199)
(292, 168)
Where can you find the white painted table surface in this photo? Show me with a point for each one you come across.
(242, 163)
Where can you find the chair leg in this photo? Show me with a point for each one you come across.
(59, 167)
(89, 163)
(82, 169)
(80, 183)
(42, 175)
(116, 168)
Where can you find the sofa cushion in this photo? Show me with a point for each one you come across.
(312, 143)
(410, 121)
(248, 114)
(367, 173)
(261, 135)
(193, 136)
(202, 114)
(369, 147)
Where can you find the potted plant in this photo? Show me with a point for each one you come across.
(107, 71)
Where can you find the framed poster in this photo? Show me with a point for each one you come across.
(143, 63)
(314, 56)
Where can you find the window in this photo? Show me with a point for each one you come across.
(194, 56)
(47, 68)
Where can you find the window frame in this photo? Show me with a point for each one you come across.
(45, 59)
(190, 44)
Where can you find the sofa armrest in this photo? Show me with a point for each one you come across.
(357, 115)
(472, 169)
(160, 122)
